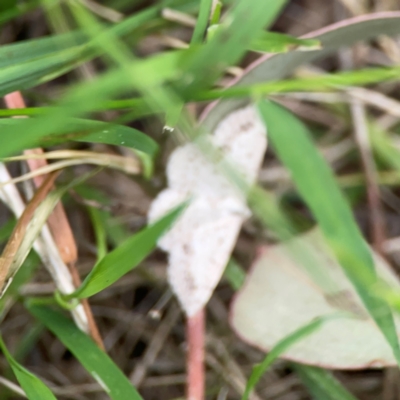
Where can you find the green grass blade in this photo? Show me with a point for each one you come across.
(230, 41)
(202, 22)
(126, 256)
(384, 147)
(325, 82)
(276, 67)
(33, 387)
(274, 42)
(37, 71)
(216, 12)
(282, 346)
(87, 97)
(7, 4)
(117, 135)
(316, 183)
(234, 274)
(18, 11)
(29, 50)
(43, 64)
(322, 384)
(94, 360)
(84, 131)
(100, 233)
(136, 22)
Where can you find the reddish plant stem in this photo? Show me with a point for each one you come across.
(58, 224)
(195, 328)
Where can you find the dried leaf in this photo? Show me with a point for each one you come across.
(74, 157)
(45, 247)
(20, 242)
(201, 241)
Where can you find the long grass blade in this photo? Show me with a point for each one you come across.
(231, 40)
(33, 387)
(316, 183)
(282, 346)
(94, 360)
(126, 256)
(202, 22)
(322, 384)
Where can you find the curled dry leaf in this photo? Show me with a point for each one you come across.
(56, 235)
(20, 242)
(201, 241)
(45, 247)
(125, 164)
(279, 297)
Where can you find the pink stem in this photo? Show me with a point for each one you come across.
(195, 327)
(14, 100)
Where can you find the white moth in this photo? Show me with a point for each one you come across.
(201, 241)
(280, 296)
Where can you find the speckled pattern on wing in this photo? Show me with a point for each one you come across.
(201, 241)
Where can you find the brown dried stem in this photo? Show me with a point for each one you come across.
(377, 222)
(58, 224)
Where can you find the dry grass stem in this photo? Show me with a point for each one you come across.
(178, 17)
(377, 224)
(156, 344)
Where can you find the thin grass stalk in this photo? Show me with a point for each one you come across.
(60, 230)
